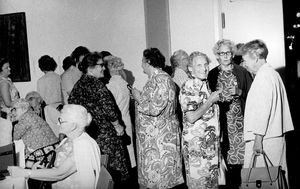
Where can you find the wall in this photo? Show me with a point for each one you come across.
(246, 20)
(194, 26)
(56, 27)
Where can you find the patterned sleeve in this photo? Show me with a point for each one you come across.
(20, 129)
(107, 104)
(188, 98)
(155, 96)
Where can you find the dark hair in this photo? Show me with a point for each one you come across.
(89, 60)
(2, 62)
(105, 53)
(47, 63)
(79, 51)
(155, 57)
(67, 62)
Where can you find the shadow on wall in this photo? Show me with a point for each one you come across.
(129, 77)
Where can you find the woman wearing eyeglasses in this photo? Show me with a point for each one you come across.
(234, 81)
(77, 161)
(91, 93)
(36, 134)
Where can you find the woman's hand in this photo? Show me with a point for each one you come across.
(258, 144)
(136, 94)
(120, 130)
(214, 97)
(235, 91)
(15, 171)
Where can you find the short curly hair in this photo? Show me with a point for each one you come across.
(89, 60)
(155, 57)
(114, 63)
(256, 47)
(177, 57)
(195, 54)
(47, 63)
(230, 44)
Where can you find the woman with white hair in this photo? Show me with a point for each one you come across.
(77, 163)
(122, 97)
(36, 134)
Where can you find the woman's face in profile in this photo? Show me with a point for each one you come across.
(34, 103)
(5, 69)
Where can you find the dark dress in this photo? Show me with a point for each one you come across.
(91, 93)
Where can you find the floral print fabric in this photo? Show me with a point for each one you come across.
(158, 141)
(92, 94)
(200, 140)
(34, 131)
(231, 119)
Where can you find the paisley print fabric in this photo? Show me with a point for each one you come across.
(91, 93)
(231, 119)
(158, 141)
(200, 140)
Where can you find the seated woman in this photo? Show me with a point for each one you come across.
(36, 103)
(77, 163)
(36, 134)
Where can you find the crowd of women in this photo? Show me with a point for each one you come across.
(188, 124)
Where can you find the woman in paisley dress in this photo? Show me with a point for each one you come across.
(235, 82)
(157, 126)
(91, 93)
(200, 135)
(77, 162)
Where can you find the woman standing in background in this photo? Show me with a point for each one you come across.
(234, 81)
(8, 91)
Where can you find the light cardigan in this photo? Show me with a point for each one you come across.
(267, 111)
(87, 156)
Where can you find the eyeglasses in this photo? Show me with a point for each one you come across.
(102, 65)
(60, 121)
(228, 53)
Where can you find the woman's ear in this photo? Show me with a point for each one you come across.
(190, 69)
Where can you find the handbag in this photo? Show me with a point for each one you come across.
(268, 177)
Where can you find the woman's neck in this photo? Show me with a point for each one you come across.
(227, 67)
(74, 134)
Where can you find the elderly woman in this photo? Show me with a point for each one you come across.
(200, 135)
(91, 93)
(157, 126)
(36, 134)
(122, 97)
(234, 81)
(77, 163)
(8, 91)
(36, 103)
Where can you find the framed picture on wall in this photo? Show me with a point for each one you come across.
(14, 46)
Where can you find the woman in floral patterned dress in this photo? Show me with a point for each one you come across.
(157, 126)
(200, 135)
(235, 82)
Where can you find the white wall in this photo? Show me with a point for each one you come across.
(56, 27)
(256, 19)
(193, 26)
